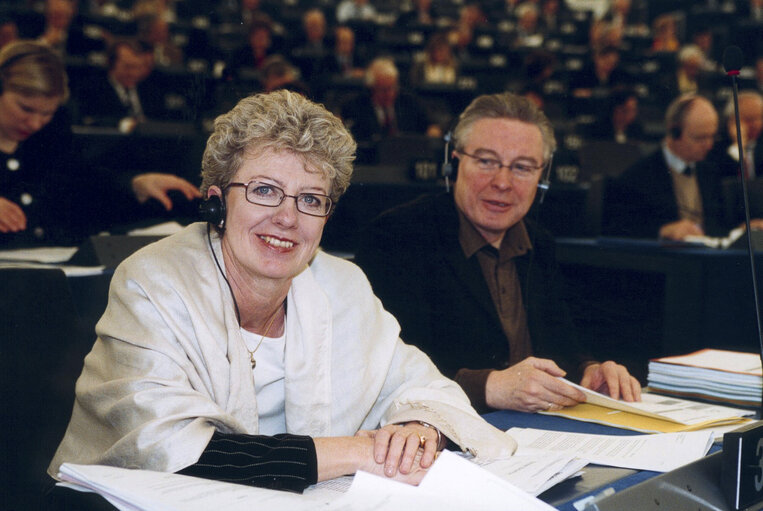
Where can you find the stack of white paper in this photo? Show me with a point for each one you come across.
(452, 483)
(716, 375)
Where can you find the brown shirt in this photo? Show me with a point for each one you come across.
(500, 273)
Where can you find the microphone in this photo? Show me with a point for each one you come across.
(732, 63)
(732, 60)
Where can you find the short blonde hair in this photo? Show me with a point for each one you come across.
(279, 121)
(33, 69)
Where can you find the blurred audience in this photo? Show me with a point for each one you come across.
(619, 121)
(383, 110)
(673, 192)
(258, 48)
(528, 34)
(602, 71)
(665, 34)
(436, 65)
(122, 97)
(422, 14)
(355, 10)
(726, 152)
(155, 30)
(347, 60)
(688, 76)
(278, 73)
(47, 195)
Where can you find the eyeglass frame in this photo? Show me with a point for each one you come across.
(511, 165)
(246, 185)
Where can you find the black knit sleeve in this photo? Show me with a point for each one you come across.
(281, 462)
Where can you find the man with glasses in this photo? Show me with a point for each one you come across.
(474, 284)
(673, 192)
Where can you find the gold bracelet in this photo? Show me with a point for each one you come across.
(439, 435)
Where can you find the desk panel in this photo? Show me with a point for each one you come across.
(686, 298)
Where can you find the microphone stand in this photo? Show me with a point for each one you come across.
(742, 179)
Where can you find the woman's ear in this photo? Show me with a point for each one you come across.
(214, 191)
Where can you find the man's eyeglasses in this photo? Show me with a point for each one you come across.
(520, 169)
(271, 196)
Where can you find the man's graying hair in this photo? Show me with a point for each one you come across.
(504, 106)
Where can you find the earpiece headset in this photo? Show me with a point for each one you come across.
(449, 169)
(212, 211)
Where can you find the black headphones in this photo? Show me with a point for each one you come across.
(212, 211)
(449, 169)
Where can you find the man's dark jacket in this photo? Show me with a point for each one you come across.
(415, 263)
(642, 199)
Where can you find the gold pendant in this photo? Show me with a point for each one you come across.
(252, 360)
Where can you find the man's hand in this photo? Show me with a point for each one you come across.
(155, 186)
(612, 379)
(530, 386)
(12, 217)
(680, 229)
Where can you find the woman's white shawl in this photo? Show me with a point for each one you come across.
(169, 365)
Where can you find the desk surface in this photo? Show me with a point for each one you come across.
(595, 478)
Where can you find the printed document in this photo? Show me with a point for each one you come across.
(641, 452)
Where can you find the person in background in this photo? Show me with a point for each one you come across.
(61, 203)
(383, 110)
(355, 10)
(726, 152)
(436, 65)
(688, 77)
(275, 365)
(674, 192)
(474, 282)
(528, 33)
(422, 14)
(665, 34)
(278, 73)
(124, 97)
(259, 46)
(155, 31)
(346, 60)
(619, 122)
(602, 72)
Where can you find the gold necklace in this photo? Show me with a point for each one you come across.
(267, 329)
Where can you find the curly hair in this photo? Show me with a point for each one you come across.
(504, 106)
(279, 121)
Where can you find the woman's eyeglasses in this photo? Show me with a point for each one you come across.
(271, 196)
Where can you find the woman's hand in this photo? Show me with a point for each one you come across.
(530, 386)
(612, 379)
(154, 185)
(403, 448)
(338, 456)
(12, 217)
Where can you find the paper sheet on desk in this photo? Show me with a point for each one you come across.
(163, 229)
(660, 453)
(535, 472)
(452, 483)
(48, 255)
(654, 413)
